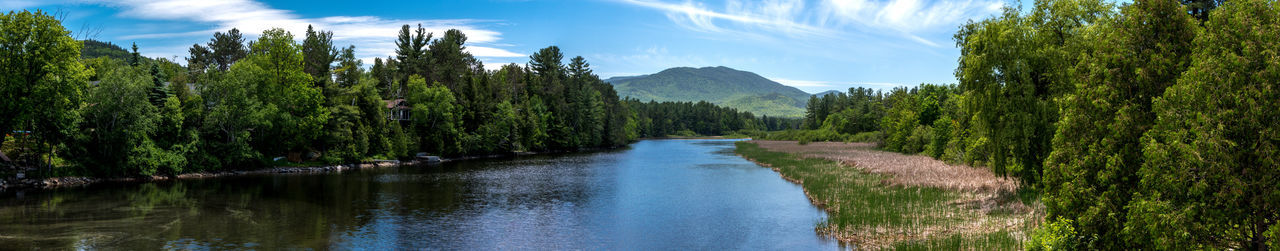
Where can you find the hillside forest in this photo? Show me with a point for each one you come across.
(1147, 125)
(92, 108)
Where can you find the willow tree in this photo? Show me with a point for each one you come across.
(1092, 172)
(1213, 156)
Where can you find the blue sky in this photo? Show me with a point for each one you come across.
(814, 45)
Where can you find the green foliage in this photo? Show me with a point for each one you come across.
(122, 128)
(904, 121)
(1013, 68)
(41, 82)
(318, 55)
(434, 116)
(1212, 157)
(1055, 235)
(1093, 170)
(859, 111)
(656, 119)
(293, 105)
(231, 118)
(818, 135)
(227, 49)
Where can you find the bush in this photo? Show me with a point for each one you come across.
(1057, 234)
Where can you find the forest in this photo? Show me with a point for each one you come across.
(90, 108)
(1148, 125)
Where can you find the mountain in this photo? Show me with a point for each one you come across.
(95, 49)
(721, 85)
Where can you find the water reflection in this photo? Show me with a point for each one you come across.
(662, 194)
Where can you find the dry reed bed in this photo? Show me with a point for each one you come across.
(908, 170)
(982, 203)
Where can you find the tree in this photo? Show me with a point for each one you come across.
(135, 59)
(200, 60)
(1092, 171)
(227, 48)
(434, 116)
(546, 64)
(318, 55)
(41, 78)
(450, 63)
(412, 56)
(1012, 68)
(119, 125)
(1200, 8)
(294, 106)
(349, 69)
(159, 92)
(1213, 155)
(232, 116)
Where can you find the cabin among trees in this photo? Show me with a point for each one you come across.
(397, 109)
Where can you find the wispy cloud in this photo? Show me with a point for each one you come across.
(826, 18)
(906, 15)
(801, 83)
(373, 36)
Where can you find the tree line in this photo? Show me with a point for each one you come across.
(241, 104)
(1151, 124)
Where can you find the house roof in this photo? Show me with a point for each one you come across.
(396, 103)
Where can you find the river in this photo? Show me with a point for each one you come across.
(655, 194)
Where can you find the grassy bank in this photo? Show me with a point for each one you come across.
(865, 211)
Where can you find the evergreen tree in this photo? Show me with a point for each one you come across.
(135, 59)
(412, 56)
(1213, 155)
(318, 55)
(227, 48)
(200, 60)
(159, 92)
(1093, 170)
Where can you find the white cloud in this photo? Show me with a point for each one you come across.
(771, 15)
(801, 83)
(373, 36)
(828, 19)
(480, 51)
(907, 15)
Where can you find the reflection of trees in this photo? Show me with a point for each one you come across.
(443, 205)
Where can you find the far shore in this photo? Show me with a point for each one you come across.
(76, 181)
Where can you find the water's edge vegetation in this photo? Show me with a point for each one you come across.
(865, 211)
(1142, 125)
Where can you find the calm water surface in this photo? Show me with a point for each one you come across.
(657, 194)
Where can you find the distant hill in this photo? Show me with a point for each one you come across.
(95, 49)
(725, 86)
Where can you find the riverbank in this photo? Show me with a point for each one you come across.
(74, 181)
(9, 183)
(736, 136)
(878, 199)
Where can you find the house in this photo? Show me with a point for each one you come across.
(397, 109)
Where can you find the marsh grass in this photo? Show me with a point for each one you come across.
(1000, 240)
(866, 210)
